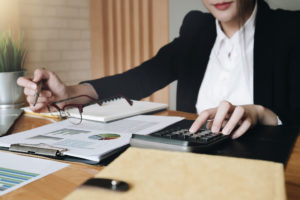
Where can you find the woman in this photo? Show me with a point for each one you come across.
(238, 65)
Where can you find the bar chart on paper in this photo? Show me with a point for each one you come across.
(10, 177)
(13, 175)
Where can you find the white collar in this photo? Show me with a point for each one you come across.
(247, 29)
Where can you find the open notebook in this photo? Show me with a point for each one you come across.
(113, 110)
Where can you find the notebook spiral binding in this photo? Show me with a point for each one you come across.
(116, 97)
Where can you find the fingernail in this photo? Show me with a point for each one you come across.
(214, 129)
(192, 130)
(225, 131)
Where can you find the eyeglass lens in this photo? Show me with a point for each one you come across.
(72, 113)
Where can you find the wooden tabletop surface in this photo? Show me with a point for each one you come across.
(59, 184)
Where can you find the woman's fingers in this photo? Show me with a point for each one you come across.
(246, 124)
(43, 93)
(202, 118)
(234, 120)
(29, 83)
(30, 100)
(209, 123)
(29, 91)
(227, 117)
(30, 87)
(44, 97)
(224, 108)
(26, 83)
(39, 107)
(40, 74)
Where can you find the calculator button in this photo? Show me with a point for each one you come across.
(203, 133)
(210, 137)
(187, 137)
(180, 136)
(201, 136)
(194, 138)
(184, 130)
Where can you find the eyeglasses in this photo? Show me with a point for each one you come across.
(73, 111)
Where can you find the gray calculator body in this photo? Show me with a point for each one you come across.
(177, 138)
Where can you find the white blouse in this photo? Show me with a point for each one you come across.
(229, 73)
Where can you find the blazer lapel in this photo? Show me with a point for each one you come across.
(196, 56)
(263, 72)
(201, 58)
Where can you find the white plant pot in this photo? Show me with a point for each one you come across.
(11, 95)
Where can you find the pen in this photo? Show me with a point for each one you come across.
(38, 91)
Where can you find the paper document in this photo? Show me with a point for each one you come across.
(119, 109)
(17, 171)
(27, 110)
(90, 140)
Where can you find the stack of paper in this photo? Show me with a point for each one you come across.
(89, 140)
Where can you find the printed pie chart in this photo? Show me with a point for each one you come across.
(105, 136)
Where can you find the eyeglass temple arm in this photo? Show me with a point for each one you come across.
(71, 98)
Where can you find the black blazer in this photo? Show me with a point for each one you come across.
(276, 64)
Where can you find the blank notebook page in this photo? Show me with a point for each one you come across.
(118, 109)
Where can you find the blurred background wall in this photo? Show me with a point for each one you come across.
(57, 35)
(84, 39)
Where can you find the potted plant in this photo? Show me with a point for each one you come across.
(12, 57)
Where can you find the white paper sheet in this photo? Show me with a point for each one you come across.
(17, 171)
(90, 140)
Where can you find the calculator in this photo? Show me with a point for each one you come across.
(177, 138)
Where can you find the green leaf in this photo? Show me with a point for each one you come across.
(12, 55)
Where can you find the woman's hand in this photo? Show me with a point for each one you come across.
(226, 117)
(53, 89)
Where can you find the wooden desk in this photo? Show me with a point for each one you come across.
(61, 183)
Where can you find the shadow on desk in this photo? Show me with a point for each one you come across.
(263, 143)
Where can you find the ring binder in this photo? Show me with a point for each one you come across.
(38, 149)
